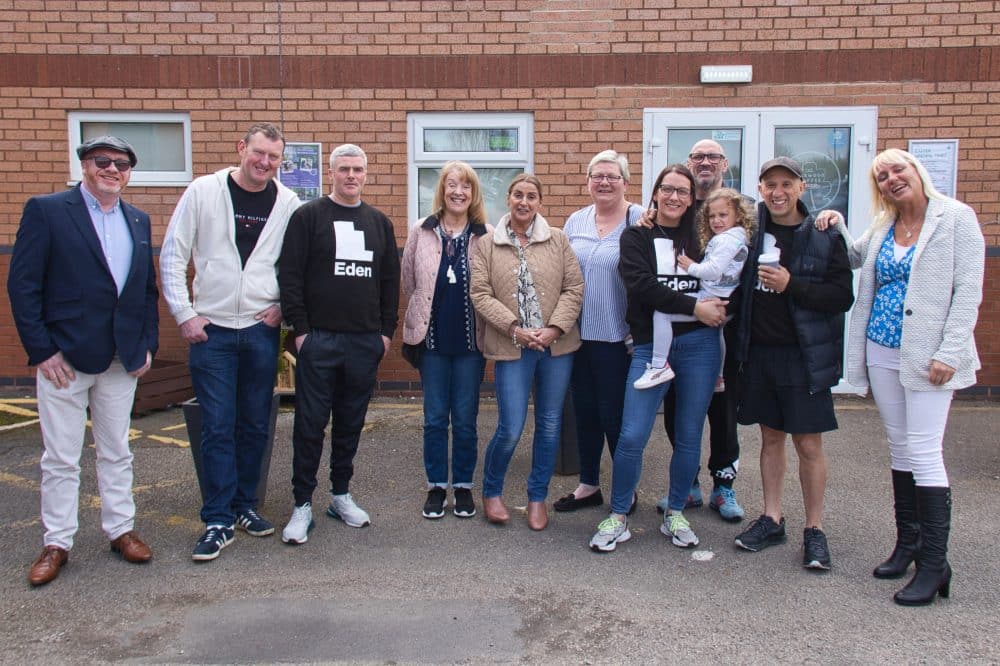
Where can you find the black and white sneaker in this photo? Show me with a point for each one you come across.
(815, 552)
(253, 524)
(211, 543)
(437, 500)
(762, 533)
(465, 507)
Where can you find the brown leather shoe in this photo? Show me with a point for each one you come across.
(47, 566)
(538, 517)
(132, 548)
(495, 510)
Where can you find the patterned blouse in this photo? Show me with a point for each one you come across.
(885, 326)
(529, 312)
(453, 324)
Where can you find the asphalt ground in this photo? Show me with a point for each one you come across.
(410, 590)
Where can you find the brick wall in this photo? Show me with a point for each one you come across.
(439, 27)
(352, 71)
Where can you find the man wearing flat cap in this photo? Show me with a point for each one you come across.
(796, 287)
(83, 294)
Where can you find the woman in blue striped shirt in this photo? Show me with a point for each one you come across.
(600, 366)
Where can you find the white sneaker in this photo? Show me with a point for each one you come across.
(342, 507)
(610, 533)
(653, 377)
(297, 529)
(676, 526)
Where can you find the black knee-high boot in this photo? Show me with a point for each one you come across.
(907, 528)
(933, 571)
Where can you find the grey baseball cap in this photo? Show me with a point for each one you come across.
(785, 162)
(107, 141)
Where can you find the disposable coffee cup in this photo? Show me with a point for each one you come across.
(770, 259)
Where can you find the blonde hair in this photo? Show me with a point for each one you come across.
(884, 211)
(477, 209)
(745, 216)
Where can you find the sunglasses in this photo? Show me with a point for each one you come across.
(102, 162)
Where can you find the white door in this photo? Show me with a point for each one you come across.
(835, 146)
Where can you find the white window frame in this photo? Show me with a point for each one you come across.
(139, 177)
(418, 158)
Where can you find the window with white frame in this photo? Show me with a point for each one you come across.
(162, 143)
(498, 146)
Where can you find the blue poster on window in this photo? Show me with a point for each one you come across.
(302, 170)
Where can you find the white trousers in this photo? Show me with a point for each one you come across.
(63, 417)
(914, 424)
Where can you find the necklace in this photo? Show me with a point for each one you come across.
(906, 227)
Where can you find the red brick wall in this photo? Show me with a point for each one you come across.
(352, 71)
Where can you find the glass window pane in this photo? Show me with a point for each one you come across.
(473, 140)
(159, 146)
(679, 142)
(825, 156)
(494, 182)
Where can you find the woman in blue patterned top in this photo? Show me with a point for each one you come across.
(911, 339)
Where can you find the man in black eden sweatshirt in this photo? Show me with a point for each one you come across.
(339, 280)
(796, 287)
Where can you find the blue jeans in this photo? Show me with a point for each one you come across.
(233, 377)
(550, 374)
(598, 385)
(695, 358)
(451, 393)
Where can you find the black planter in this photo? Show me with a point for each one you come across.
(192, 417)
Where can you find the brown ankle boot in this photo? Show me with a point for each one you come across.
(495, 510)
(538, 517)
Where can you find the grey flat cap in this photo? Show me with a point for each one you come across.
(112, 142)
(785, 162)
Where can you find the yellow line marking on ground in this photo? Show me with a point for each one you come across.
(15, 426)
(28, 522)
(166, 483)
(18, 411)
(175, 427)
(17, 481)
(20, 401)
(179, 443)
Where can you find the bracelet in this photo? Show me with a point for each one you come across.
(513, 336)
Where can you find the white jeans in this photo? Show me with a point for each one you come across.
(914, 424)
(63, 417)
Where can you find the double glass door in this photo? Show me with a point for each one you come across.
(834, 145)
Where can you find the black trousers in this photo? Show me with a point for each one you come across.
(724, 443)
(334, 378)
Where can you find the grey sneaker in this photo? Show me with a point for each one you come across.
(299, 525)
(677, 527)
(342, 507)
(610, 533)
(815, 552)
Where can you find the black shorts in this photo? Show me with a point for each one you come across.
(776, 393)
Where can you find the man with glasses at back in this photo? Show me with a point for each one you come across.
(231, 223)
(83, 293)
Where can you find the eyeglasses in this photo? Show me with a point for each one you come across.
(713, 158)
(103, 162)
(598, 177)
(668, 190)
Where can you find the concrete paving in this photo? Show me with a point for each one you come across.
(409, 590)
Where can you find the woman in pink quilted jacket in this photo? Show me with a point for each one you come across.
(440, 330)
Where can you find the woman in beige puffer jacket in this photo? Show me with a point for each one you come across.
(527, 287)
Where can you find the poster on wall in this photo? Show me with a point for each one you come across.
(302, 169)
(940, 158)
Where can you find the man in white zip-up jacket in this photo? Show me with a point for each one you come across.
(231, 224)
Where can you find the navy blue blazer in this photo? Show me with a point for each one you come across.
(62, 293)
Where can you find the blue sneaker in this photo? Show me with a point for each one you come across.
(723, 500)
(694, 500)
(253, 524)
(211, 543)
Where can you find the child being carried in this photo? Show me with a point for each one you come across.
(725, 222)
